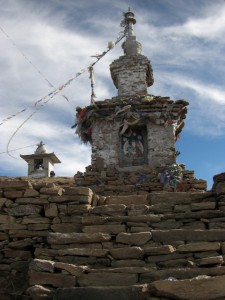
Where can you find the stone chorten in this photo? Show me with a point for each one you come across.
(41, 163)
(134, 131)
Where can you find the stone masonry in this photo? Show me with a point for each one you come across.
(59, 241)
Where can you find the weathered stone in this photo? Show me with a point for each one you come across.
(52, 191)
(203, 205)
(165, 257)
(166, 249)
(168, 224)
(21, 244)
(31, 193)
(21, 254)
(24, 210)
(135, 210)
(85, 260)
(85, 191)
(207, 261)
(127, 200)
(9, 226)
(78, 209)
(51, 210)
(66, 227)
(76, 199)
(136, 229)
(114, 229)
(94, 220)
(84, 252)
(180, 273)
(41, 265)
(128, 263)
(38, 292)
(181, 208)
(13, 194)
(198, 247)
(202, 288)
(127, 253)
(99, 293)
(187, 235)
(34, 201)
(27, 233)
(69, 238)
(17, 184)
(7, 219)
(56, 280)
(72, 269)
(37, 227)
(107, 279)
(110, 209)
(45, 252)
(137, 239)
(35, 220)
(174, 198)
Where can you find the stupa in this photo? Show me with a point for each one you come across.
(133, 133)
(41, 163)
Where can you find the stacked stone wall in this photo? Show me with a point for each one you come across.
(66, 242)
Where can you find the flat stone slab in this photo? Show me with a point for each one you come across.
(137, 239)
(99, 293)
(201, 288)
(188, 235)
(127, 200)
(69, 238)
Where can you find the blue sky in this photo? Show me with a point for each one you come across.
(52, 40)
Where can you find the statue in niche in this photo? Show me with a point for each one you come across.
(133, 148)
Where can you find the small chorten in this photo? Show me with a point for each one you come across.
(41, 163)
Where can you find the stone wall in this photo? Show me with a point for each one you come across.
(66, 242)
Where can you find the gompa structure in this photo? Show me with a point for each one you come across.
(41, 163)
(133, 132)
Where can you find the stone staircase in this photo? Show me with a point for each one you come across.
(150, 246)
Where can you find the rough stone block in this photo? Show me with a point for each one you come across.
(111, 228)
(137, 239)
(110, 209)
(69, 238)
(31, 193)
(38, 292)
(187, 235)
(84, 252)
(127, 253)
(165, 249)
(41, 265)
(24, 210)
(201, 288)
(127, 200)
(66, 227)
(198, 247)
(13, 194)
(56, 280)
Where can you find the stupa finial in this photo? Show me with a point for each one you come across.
(128, 22)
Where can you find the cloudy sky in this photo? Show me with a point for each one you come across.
(45, 43)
